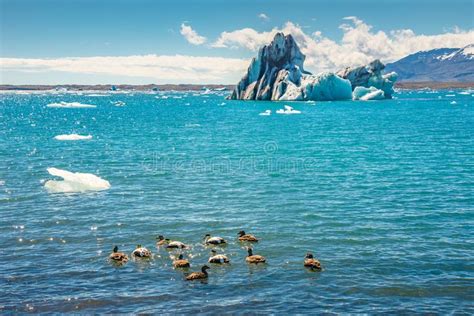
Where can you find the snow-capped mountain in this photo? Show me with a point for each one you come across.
(442, 65)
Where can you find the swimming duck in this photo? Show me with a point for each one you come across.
(141, 252)
(251, 258)
(198, 275)
(181, 263)
(213, 240)
(118, 257)
(175, 245)
(161, 240)
(247, 237)
(310, 262)
(215, 258)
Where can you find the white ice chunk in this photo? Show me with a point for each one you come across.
(72, 137)
(63, 104)
(74, 182)
(288, 110)
(266, 113)
(118, 103)
(365, 94)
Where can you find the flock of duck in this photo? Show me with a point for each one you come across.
(180, 262)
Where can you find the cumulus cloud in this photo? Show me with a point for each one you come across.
(247, 38)
(263, 17)
(359, 44)
(164, 69)
(191, 35)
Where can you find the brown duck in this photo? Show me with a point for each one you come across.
(118, 257)
(251, 258)
(161, 240)
(181, 262)
(198, 275)
(247, 237)
(310, 262)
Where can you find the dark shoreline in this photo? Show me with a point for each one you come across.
(196, 87)
(434, 85)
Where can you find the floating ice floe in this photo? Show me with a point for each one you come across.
(192, 125)
(118, 103)
(365, 94)
(266, 113)
(288, 110)
(63, 104)
(72, 137)
(2, 183)
(450, 95)
(453, 102)
(74, 182)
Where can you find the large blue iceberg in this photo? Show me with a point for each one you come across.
(277, 74)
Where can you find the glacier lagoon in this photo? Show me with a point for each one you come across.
(380, 191)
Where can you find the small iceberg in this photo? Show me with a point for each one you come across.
(72, 137)
(74, 182)
(118, 103)
(266, 113)
(366, 94)
(453, 102)
(70, 105)
(192, 125)
(288, 110)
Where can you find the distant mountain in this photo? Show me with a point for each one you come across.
(441, 65)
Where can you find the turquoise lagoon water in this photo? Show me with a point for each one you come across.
(380, 192)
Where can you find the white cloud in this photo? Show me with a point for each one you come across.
(359, 44)
(263, 16)
(160, 69)
(247, 38)
(191, 35)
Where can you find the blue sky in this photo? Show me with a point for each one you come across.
(42, 29)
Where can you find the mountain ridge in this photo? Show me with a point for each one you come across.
(436, 65)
